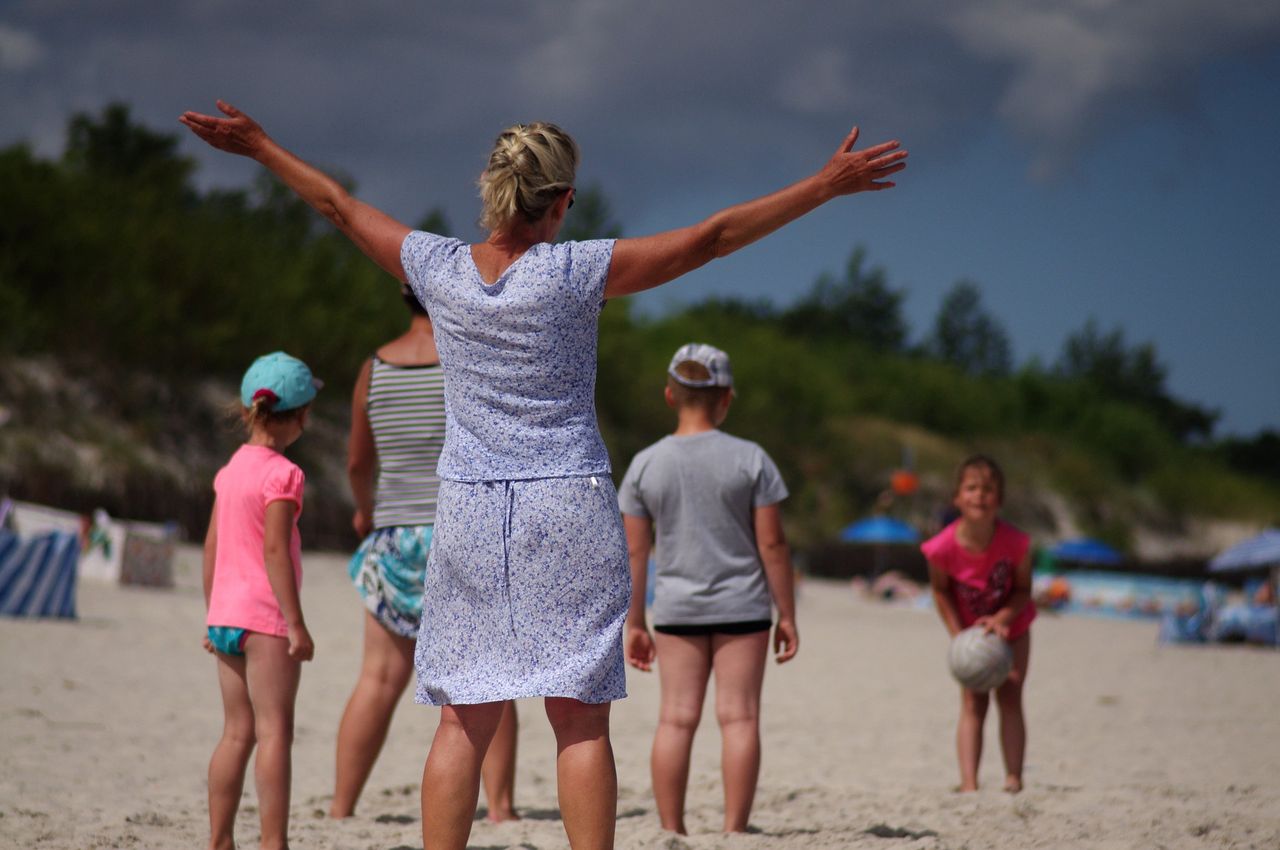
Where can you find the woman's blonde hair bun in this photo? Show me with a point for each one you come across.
(530, 165)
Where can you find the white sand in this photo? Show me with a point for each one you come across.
(106, 726)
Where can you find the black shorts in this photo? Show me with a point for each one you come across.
(747, 627)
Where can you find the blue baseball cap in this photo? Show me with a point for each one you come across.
(713, 359)
(285, 379)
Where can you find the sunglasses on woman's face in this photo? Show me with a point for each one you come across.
(571, 197)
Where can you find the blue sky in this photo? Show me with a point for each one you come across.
(1107, 159)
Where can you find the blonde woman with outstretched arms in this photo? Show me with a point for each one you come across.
(527, 588)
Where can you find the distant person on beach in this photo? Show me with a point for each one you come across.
(397, 432)
(723, 565)
(252, 572)
(528, 587)
(980, 571)
(889, 586)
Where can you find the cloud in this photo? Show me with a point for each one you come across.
(19, 50)
(663, 79)
(1074, 69)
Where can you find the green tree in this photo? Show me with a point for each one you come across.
(112, 145)
(860, 306)
(590, 218)
(1257, 455)
(1133, 374)
(967, 336)
(435, 222)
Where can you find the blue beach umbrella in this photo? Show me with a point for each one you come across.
(879, 529)
(1086, 550)
(1255, 553)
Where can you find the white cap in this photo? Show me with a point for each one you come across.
(715, 361)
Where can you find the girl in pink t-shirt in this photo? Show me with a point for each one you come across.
(252, 572)
(980, 571)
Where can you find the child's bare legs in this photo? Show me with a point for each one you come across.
(586, 779)
(231, 755)
(499, 768)
(684, 665)
(973, 712)
(1013, 728)
(384, 672)
(451, 776)
(273, 687)
(738, 661)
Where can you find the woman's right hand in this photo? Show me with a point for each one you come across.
(237, 133)
(850, 171)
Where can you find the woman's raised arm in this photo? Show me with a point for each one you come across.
(374, 232)
(650, 261)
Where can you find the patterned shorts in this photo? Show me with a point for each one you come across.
(387, 569)
(526, 594)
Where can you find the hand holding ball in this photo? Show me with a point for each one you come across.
(979, 660)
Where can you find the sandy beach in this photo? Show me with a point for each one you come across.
(107, 723)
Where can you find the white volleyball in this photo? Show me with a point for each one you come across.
(979, 660)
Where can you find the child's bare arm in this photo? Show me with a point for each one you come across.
(775, 554)
(284, 584)
(210, 552)
(1018, 599)
(940, 583)
(210, 560)
(639, 643)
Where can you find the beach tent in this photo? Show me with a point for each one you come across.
(879, 529)
(1256, 553)
(116, 551)
(1086, 550)
(38, 574)
(1261, 552)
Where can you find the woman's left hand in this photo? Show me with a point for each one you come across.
(851, 171)
(361, 523)
(237, 133)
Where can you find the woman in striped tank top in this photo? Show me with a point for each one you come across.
(397, 430)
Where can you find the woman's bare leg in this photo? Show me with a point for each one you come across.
(738, 662)
(273, 687)
(451, 777)
(586, 778)
(384, 673)
(231, 755)
(684, 665)
(498, 771)
(1013, 725)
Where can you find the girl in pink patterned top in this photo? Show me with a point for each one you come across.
(980, 571)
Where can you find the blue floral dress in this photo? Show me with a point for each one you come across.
(528, 584)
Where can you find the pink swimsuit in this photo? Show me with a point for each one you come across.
(241, 595)
(981, 582)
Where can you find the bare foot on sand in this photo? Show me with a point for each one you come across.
(496, 816)
(1013, 784)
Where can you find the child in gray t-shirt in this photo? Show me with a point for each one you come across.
(722, 564)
